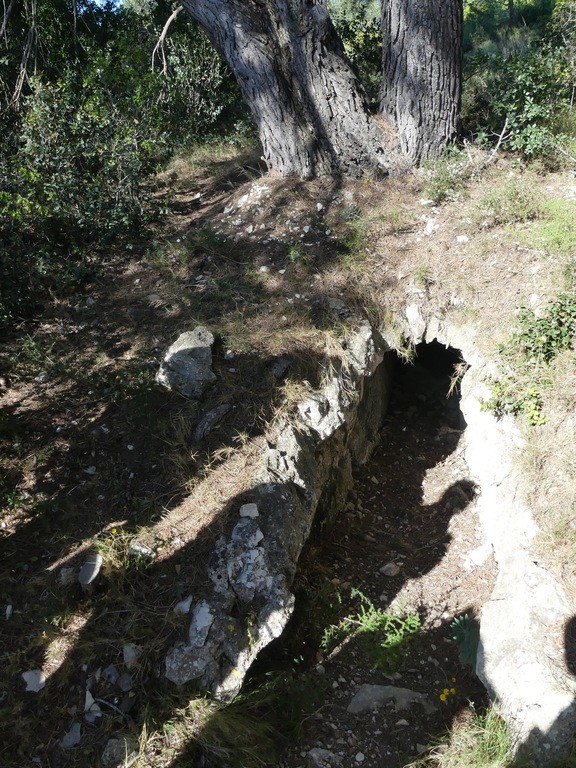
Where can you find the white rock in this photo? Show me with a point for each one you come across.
(264, 268)
(249, 510)
(183, 606)
(72, 737)
(319, 207)
(136, 549)
(92, 711)
(120, 752)
(8, 611)
(66, 577)
(359, 757)
(35, 680)
(90, 569)
(390, 569)
(462, 238)
(131, 653)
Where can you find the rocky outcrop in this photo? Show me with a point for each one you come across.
(306, 474)
(521, 655)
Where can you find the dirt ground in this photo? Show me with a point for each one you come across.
(95, 454)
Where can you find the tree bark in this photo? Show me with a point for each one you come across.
(309, 108)
(422, 73)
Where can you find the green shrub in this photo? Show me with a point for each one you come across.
(535, 343)
(518, 96)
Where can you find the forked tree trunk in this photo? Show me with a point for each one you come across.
(422, 62)
(309, 109)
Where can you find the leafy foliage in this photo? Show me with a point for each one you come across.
(358, 24)
(466, 635)
(519, 76)
(531, 348)
(384, 636)
(84, 133)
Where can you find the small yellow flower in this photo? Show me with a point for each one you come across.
(452, 691)
(442, 697)
(453, 680)
(113, 531)
(446, 692)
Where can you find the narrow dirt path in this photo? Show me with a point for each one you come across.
(409, 541)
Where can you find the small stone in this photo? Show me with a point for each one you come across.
(183, 607)
(89, 471)
(120, 752)
(401, 722)
(249, 510)
(322, 758)
(125, 682)
(264, 269)
(110, 674)
(66, 577)
(462, 238)
(35, 680)
(131, 653)
(390, 569)
(92, 711)
(136, 549)
(8, 611)
(229, 355)
(90, 570)
(359, 757)
(42, 377)
(72, 737)
(319, 207)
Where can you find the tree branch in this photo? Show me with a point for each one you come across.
(160, 44)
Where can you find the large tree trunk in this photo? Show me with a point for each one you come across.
(422, 62)
(309, 109)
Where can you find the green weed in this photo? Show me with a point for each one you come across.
(529, 352)
(557, 230)
(446, 177)
(510, 203)
(384, 636)
(484, 741)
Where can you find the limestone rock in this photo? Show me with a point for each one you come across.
(187, 365)
(72, 737)
(90, 571)
(120, 752)
(306, 470)
(209, 421)
(369, 697)
(130, 653)
(35, 680)
(322, 758)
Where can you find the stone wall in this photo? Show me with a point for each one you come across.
(305, 477)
